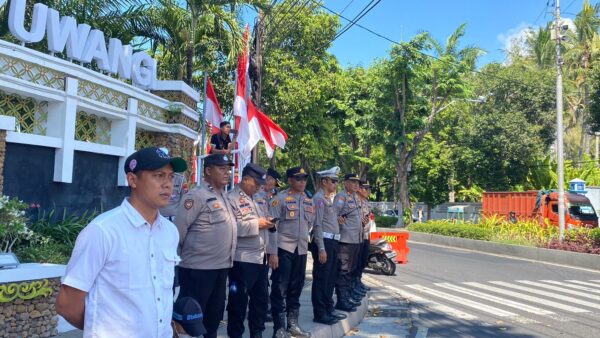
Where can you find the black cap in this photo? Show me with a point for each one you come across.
(256, 172)
(217, 159)
(273, 173)
(152, 158)
(365, 184)
(351, 177)
(188, 313)
(296, 172)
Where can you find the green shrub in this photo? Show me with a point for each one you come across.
(46, 251)
(386, 221)
(446, 228)
(13, 223)
(65, 229)
(595, 236)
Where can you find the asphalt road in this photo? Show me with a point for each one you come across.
(461, 293)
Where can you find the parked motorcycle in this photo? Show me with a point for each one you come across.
(382, 257)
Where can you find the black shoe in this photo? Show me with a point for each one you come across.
(366, 288)
(353, 301)
(292, 325)
(337, 315)
(345, 306)
(326, 319)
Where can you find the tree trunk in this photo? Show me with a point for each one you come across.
(404, 191)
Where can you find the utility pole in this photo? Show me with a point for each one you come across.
(559, 126)
(257, 69)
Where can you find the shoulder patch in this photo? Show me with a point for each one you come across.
(274, 203)
(189, 203)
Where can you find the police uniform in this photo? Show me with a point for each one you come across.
(364, 251)
(248, 278)
(326, 237)
(207, 241)
(178, 192)
(351, 237)
(296, 213)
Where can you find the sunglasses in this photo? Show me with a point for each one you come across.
(301, 179)
(335, 181)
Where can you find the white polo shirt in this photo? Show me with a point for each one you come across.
(127, 268)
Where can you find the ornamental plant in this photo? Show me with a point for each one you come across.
(13, 223)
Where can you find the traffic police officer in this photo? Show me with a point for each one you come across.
(207, 240)
(324, 248)
(248, 278)
(295, 213)
(363, 193)
(351, 232)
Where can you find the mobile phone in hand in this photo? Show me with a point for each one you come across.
(273, 220)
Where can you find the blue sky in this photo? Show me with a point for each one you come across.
(490, 24)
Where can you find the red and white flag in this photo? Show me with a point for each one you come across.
(272, 134)
(212, 110)
(248, 135)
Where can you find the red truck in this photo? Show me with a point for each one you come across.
(540, 206)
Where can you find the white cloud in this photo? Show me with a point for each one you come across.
(515, 37)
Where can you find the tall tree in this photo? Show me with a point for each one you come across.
(416, 89)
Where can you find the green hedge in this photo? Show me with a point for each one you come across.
(463, 230)
(595, 235)
(386, 221)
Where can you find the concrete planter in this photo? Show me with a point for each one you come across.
(27, 297)
(582, 260)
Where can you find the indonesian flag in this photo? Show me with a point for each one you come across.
(212, 110)
(272, 134)
(248, 134)
(254, 129)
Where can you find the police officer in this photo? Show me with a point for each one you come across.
(351, 232)
(248, 278)
(207, 240)
(363, 193)
(324, 249)
(179, 189)
(269, 189)
(295, 213)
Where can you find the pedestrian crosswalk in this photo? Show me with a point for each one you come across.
(524, 301)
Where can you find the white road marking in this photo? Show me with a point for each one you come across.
(584, 283)
(443, 309)
(463, 301)
(421, 332)
(560, 289)
(574, 286)
(548, 294)
(503, 301)
(527, 297)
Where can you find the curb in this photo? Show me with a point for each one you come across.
(344, 326)
(582, 260)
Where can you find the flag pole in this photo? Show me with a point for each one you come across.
(200, 158)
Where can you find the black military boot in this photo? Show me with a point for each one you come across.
(292, 325)
(325, 318)
(337, 315)
(256, 334)
(343, 304)
(279, 330)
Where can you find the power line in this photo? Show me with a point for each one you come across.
(423, 53)
(346, 7)
(356, 19)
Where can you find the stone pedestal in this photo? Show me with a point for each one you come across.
(27, 297)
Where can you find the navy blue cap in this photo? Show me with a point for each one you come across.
(296, 172)
(351, 177)
(153, 158)
(256, 172)
(217, 160)
(188, 313)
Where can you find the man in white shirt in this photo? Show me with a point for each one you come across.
(118, 282)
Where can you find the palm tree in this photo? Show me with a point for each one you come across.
(212, 18)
